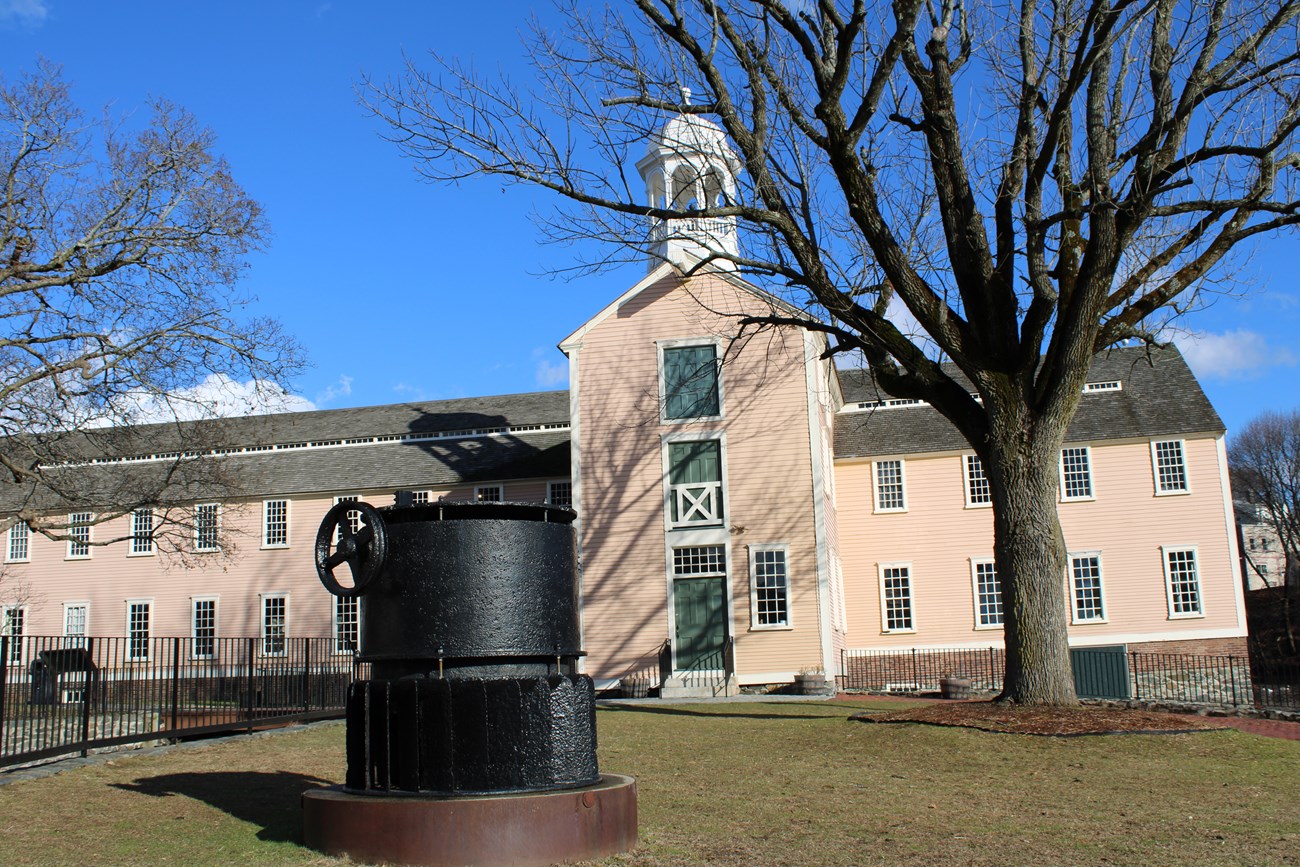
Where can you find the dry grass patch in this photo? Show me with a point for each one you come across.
(1053, 721)
(757, 783)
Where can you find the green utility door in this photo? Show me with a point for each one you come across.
(700, 606)
(1101, 672)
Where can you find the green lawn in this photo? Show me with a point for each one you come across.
(754, 783)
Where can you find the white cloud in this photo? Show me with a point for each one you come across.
(550, 373)
(411, 392)
(216, 396)
(342, 388)
(27, 13)
(1238, 354)
(905, 322)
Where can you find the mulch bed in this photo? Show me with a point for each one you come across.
(1047, 721)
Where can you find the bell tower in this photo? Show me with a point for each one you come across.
(689, 166)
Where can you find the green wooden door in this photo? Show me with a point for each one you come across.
(700, 606)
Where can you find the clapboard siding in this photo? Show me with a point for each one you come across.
(1126, 523)
(767, 469)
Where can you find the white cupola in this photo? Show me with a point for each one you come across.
(688, 166)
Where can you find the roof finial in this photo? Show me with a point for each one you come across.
(686, 96)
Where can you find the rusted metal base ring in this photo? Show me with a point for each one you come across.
(521, 829)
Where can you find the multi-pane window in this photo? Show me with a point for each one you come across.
(771, 586)
(137, 631)
(347, 623)
(988, 595)
(1183, 582)
(354, 518)
(1085, 583)
(690, 386)
(700, 560)
(896, 598)
(142, 525)
(559, 493)
(978, 492)
(419, 498)
(75, 615)
(1170, 467)
(207, 527)
(275, 523)
(12, 621)
(205, 628)
(19, 543)
(695, 483)
(890, 496)
(1076, 473)
(275, 619)
(490, 494)
(79, 524)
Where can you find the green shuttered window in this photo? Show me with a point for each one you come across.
(691, 382)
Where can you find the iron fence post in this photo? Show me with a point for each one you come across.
(993, 671)
(88, 690)
(252, 646)
(176, 683)
(306, 675)
(1232, 676)
(4, 684)
(1137, 684)
(916, 675)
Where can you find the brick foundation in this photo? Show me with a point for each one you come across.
(1195, 647)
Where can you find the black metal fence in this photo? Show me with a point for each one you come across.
(1226, 681)
(63, 695)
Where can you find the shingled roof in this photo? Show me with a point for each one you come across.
(1159, 397)
(420, 445)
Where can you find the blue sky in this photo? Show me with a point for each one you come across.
(402, 290)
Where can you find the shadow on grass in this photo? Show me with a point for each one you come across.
(681, 711)
(269, 800)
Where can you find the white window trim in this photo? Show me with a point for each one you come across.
(666, 440)
(76, 603)
(682, 343)
(261, 617)
(148, 642)
(911, 598)
(288, 523)
(1155, 469)
(1101, 588)
(975, 562)
(550, 499)
(1165, 551)
(965, 483)
(500, 487)
(90, 537)
(875, 485)
(754, 625)
(334, 625)
(218, 511)
(216, 625)
(18, 658)
(130, 542)
(1092, 478)
(9, 543)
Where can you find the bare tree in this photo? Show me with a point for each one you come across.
(121, 245)
(1265, 460)
(1031, 182)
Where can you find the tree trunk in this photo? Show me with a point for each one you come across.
(1030, 556)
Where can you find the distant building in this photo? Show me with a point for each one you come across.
(1263, 562)
(745, 509)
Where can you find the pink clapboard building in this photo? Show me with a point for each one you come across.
(746, 511)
